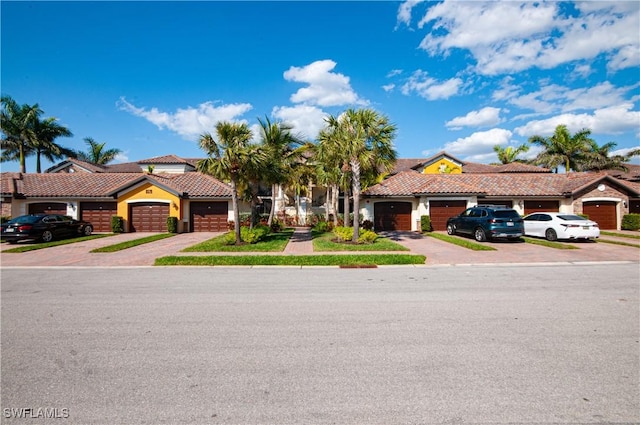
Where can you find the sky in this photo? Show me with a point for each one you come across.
(150, 77)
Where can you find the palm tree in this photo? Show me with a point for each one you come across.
(226, 159)
(283, 150)
(17, 124)
(44, 134)
(599, 158)
(509, 154)
(97, 153)
(366, 141)
(562, 148)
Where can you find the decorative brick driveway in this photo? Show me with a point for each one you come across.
(436, 251)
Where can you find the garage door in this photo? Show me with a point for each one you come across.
(98, 214)
(440, 211)
(392, 215)
(535, 206)
(603, 213)
(48, 208)
(148, 217)
(209, 216)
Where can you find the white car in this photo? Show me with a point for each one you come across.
(554, 225)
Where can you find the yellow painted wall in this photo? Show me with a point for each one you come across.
(443, 166)
(149, 193)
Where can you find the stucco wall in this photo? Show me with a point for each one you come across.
(149, 193)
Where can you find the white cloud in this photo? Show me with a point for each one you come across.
(611, 120)
(404, 11)
(479, 143)
(484, 117)
(506, 37)
(190, 122)
(388, 87)
(306, 121)
(430, 88)
(325, 88)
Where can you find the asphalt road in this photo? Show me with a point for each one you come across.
(397, 345)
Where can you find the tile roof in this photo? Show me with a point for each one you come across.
(6, 182)
(513, 167)
(412, 183)
(90, 185)
(71, 184)
(164, 159)
(194, 184)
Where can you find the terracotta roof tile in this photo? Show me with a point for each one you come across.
(164, 159)
(74, 184)
(412, 183)
(194, 184)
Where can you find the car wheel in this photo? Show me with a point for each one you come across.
(87, 230)
(47, 236)
(451, 229)
(551, 235)
(480, 235)
(12, 242)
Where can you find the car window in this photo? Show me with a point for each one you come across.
(467, 213)
(545, 217)
(532, 217)
(570, 217)
(506, 214)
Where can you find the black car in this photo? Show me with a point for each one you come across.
(487, 222)
(43, 227)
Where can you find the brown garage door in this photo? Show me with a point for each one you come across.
(98, 214)
(603, 213)
(392, 215)
(48, 208)
(535, 206)
(209, 216)
(148, 217)
(440, 211)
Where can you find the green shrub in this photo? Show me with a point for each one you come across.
(172, 224)
(5, 218)
(585, 216)
(344, 234)
(425, 223)
(117, 224)
(254, 235)
(229, 238)
(367, 236)
(631, 222)
(276, 225)
(323, 227)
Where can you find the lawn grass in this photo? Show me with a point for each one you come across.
(35, 246)
(619, 235)
(347, 260)
(274, 242)
(457, 240)
(550, 244)
(323, 243)
(135, 242)
(613, 242)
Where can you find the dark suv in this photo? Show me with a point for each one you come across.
(487, 222)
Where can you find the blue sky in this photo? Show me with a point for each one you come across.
(150, 77)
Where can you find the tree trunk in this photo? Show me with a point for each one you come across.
(326, 203)
(334, 203)
(236, 211)
(355, 169)
(346, 219)
(253, 221)
(272, 210)
(23, 166)
(38, 166)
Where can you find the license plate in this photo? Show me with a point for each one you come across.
(509, 223)
(10, 230)
(585, 227)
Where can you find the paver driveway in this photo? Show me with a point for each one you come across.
(436, 251)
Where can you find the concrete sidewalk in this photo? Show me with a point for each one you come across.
(436, 251)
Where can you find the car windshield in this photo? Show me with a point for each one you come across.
(570, 217)
(506, 214)
(29, 219)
